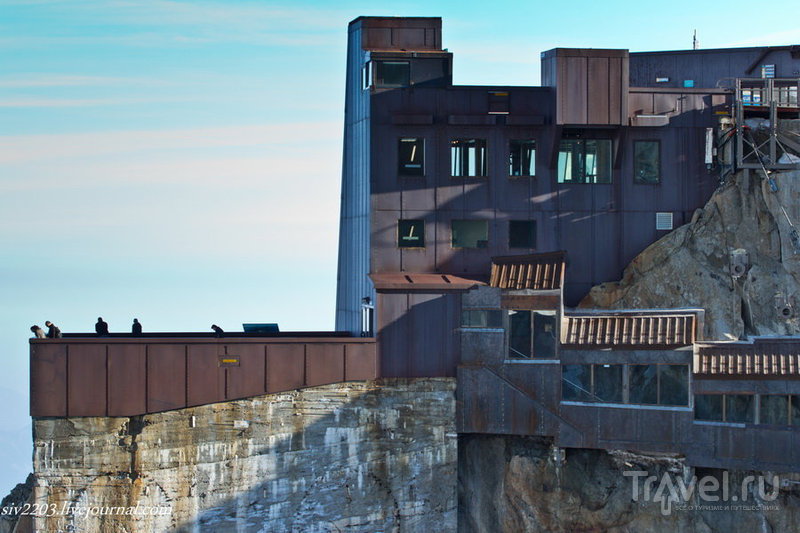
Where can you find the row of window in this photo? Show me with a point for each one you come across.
(655, 384)
(529, 333)
(774, 409)
(579, 160)
(467, 233)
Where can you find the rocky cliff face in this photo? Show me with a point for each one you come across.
(374, 456)
(739, 259)
(512, 484)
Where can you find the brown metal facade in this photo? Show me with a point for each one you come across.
(128, 377)
(628, 329)
(533, 271)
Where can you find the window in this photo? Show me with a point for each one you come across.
(522, 234)
(410, 233)
(366, 75)
(531, 334)
(576, 383)
(738, 408)
(411, 157)
(393, 74)
(522, 158)
(646, 162)
(655, 384)
(482, 318)
(467, 157)
(584, 161)
(774, 409)
(469, 233)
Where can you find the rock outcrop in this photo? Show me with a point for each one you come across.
(738, 258)
(513, 484)
(362, 456)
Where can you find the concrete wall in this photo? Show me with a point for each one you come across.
(367, 456)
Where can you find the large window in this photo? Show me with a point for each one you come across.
(467, 157)
(482, 318)
(584, 161)
(660, 384)
(739, 408)
(522, 234)
(411, 233)
(393, 74)
(411, 157)
(469, 233)
(522, 158)
(531, 334)
(646, 162)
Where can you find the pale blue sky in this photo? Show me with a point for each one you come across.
(179, 161)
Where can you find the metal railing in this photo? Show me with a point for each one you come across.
(761, 92)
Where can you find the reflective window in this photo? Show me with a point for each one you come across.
(411, 157)
(468, 157)
(646, 162)
(393, 74)
(774, 409)
(469, 233)
(519, 334)
(740, 408)
(576, 383)
(608, 383)
(673, 385)
(584, 161)
(531, 333)
(643, 383)
(522, 158)
(482, 318)
(708, 407)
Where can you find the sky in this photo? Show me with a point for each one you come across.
(180, 161)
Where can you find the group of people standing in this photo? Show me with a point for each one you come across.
(101, 328)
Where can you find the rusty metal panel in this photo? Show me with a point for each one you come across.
(205, 381)
(248, 377)
(617, 113)
(640, 103)
(532, 301)
(360, 362)
(48, 379)
(598, 92)
(285, 367)
(324, 364)
(127, 373)
(166, 377)
(573, 100)
(426, 323)
(392, 333)
(86, 388)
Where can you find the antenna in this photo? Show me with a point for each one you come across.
(695, 42)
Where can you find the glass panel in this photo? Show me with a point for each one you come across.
(481, 318)
(598, 161)
(608, 383)
(519, 334)
(643, 384)
(411, 157)
(411, 233)
(774, 409)
(544, 333)
(468, 157)
(570, 155)
(584, 161)
(740, 408)
(708, 407)
(794, 410)
(576, 383)
(522, 234)
(469, 233)
(522, 158)
(393, 74)
(646, 162)
(674, 382)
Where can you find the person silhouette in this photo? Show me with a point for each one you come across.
(136, 328)
(52, 330)
(217, 330)
(39, 332)
(101, 327)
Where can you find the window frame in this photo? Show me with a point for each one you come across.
(480, 143)
(511, 160)
(533, 356)
(634, 170)
(583, 161)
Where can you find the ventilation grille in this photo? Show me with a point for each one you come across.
(664, 221)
